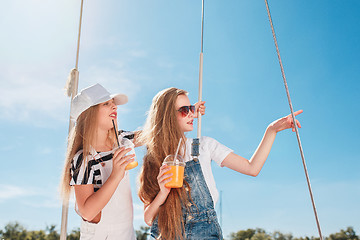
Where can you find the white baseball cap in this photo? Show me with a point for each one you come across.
(92, 96)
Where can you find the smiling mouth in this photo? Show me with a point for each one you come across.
(190, 122)
(113, 115)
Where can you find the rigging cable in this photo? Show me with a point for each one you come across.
(72, 89)
(196, 141)
(293, 118)
(201, 69)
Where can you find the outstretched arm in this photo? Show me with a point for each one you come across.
(253, 166)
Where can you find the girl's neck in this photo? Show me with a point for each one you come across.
(102, 142)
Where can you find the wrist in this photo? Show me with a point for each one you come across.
(271, 129)
(163, 194)
(161, 197)
(116, 177)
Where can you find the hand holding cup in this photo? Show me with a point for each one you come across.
(175, 166)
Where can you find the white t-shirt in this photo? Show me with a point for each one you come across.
(209, 149)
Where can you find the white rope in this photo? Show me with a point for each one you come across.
(201, 70)
(71, 88)
(196, 141)
(71, 82)
(294, 121)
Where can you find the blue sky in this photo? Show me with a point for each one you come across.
(141, 47)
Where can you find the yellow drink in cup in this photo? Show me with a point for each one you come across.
(128, 144)
(177, 177)
(131, 165)
(177, 169)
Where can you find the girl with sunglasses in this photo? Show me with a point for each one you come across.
(188, 212)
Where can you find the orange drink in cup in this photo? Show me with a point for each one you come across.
(131, 165)
(128, 144)
(177, 169)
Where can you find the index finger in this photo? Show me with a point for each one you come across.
(298, 112)
(198, 104)
(121, 150)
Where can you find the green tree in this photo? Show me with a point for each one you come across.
(250, 234)
(260, 234)
(280, 236)
(348, 234)
(52, 233)
(14, 231)
(36, 235)
(74, 235)
(143, 233)
(243, 234)
(303, 238)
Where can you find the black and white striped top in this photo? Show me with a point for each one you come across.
(96, 168)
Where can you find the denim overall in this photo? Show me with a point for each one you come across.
(200, 220)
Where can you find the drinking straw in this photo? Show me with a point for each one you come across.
(177, 150)
(117, 139)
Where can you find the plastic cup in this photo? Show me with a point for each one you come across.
(128, 144)
(177, 169)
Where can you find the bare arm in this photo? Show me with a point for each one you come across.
(152, 209)
(253, 166)
(91, 203)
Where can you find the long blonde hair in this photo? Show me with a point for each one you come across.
(80, 137)
(161, 135)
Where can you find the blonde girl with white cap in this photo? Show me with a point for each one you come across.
(95, 170)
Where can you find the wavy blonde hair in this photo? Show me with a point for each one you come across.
(161, 135)
(80, 137)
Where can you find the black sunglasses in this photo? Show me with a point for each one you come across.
(184, 110)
